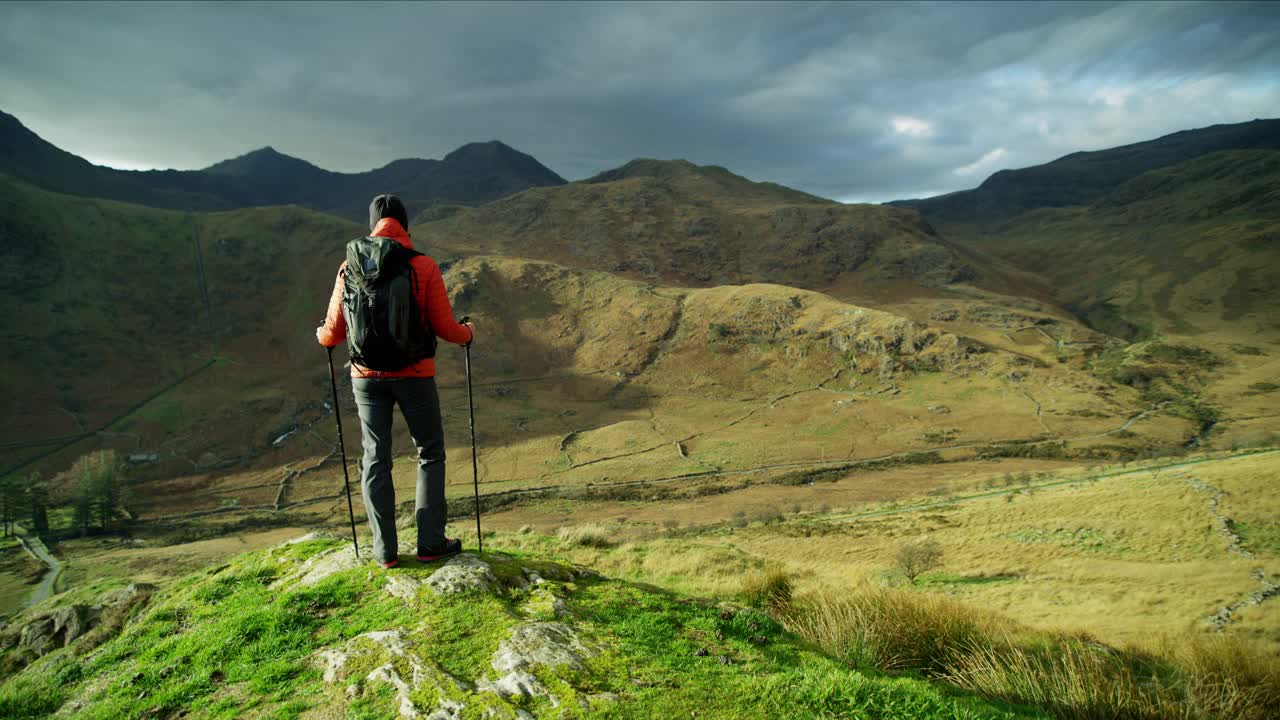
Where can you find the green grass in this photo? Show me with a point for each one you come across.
(1260, 537)
(166, 413)
(946, 581)
(658, 638)
(1082, 539)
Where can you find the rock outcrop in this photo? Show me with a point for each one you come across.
(85, 624)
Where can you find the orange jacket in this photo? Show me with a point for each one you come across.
(433, 302)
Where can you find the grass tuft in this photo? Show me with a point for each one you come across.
(769, 589)
(589, 535)
(892, 629)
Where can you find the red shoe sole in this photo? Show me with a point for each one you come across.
(433, 558)
(391, 564)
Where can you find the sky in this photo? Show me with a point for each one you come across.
(860, 102)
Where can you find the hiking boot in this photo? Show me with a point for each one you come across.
(452, 546)
(390, 563)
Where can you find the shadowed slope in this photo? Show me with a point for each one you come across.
(675, 222)
(1187, 249)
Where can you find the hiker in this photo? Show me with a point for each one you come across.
(406, 379)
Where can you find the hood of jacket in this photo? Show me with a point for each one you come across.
(391, 228)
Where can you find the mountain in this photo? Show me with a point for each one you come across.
(1084, 177)
(474, 173)
(677, 222)
(191, 340)
(1190, 249)
(1172, 236)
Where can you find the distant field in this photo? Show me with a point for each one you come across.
(1129, 555)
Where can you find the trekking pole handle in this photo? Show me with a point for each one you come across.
(466, 319)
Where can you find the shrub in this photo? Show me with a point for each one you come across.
(916, 558)
(1183, 355)
(769, 516)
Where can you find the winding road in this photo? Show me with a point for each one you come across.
(36, 547)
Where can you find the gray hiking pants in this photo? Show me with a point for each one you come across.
(376, 398)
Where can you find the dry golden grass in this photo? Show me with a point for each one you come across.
(1130, 558)
(891, 629)
(591, 535)
(1068, 676)
(1127, 558)
(768, 588)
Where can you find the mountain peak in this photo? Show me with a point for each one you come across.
(263, 160)
(714, 178)
(654, 168)
(492, 150)
(500, 160)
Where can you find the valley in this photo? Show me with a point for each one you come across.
(684, 379)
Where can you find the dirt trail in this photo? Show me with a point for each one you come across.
(36, 547)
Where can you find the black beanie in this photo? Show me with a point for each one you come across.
(388, 206)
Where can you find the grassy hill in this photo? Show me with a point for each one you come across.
(1083, 178)
(678, 223)
(474, 173)
(301, 631)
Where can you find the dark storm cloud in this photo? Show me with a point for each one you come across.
(848, 100)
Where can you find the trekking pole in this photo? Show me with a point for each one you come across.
(475, 469)
(342, 446)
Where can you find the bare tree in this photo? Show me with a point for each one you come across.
(919, 557)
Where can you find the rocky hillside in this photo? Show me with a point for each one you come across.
(679, 223)
(307, 630)
(474, 173)
(1083, 178)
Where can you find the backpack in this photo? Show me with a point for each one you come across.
(384, 327)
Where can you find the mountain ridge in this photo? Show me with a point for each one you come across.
(473, 173)
(1082, 177)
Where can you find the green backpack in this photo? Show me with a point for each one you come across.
(384, 327)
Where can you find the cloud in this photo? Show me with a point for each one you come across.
(984, 164)
(846, 100)
(915, 127)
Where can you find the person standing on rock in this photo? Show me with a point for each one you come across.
(396, 372)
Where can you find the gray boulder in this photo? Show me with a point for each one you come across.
(463, 573)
